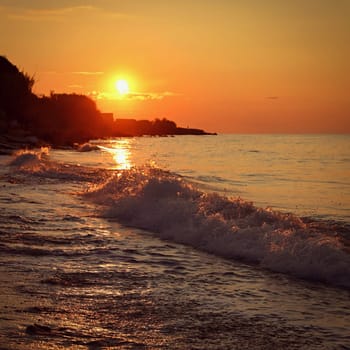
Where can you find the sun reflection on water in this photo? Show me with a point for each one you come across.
(121, 154)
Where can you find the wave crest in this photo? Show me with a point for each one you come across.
(38, 164)
(162, 202)
(29, 158)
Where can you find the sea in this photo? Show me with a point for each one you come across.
(185, 242)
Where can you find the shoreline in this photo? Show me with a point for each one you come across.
(21, 139)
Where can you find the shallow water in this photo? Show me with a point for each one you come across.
(73, 278)
(304, 174)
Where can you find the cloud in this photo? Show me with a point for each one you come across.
(50, 72)
(149, 95)
(76, 73)
(272, 97)
(44, 10)
(133, 96)
(42, 4)
(89, 73)
(75, 86)
(42, 14)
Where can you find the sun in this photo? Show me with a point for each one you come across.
(122, 86)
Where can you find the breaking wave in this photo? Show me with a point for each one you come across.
(174, 209)
(29, 158)
(38, 163)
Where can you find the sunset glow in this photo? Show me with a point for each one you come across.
(175, 174)
(226, 66)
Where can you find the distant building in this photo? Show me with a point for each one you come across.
(107, 117)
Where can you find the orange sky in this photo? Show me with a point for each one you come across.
(246, 66)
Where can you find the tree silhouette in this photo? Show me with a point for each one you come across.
(16, 95)
(63, 119)
(67, 118)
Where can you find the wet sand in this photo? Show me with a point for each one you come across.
(124, 309)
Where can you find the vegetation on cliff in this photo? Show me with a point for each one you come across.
(64, 119)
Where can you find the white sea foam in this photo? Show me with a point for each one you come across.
(164, 203)
(24, 158)
(39, 164)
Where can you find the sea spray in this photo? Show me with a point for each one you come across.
(29, 158)
(37, 163)
(164, 203)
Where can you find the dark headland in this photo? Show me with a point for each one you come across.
(59, 120)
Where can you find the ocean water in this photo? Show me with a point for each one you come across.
(210, 242)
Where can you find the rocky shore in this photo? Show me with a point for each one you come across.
(12, 142)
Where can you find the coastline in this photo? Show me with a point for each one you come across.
(10, 143)
(16, 138)
(22, 139)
